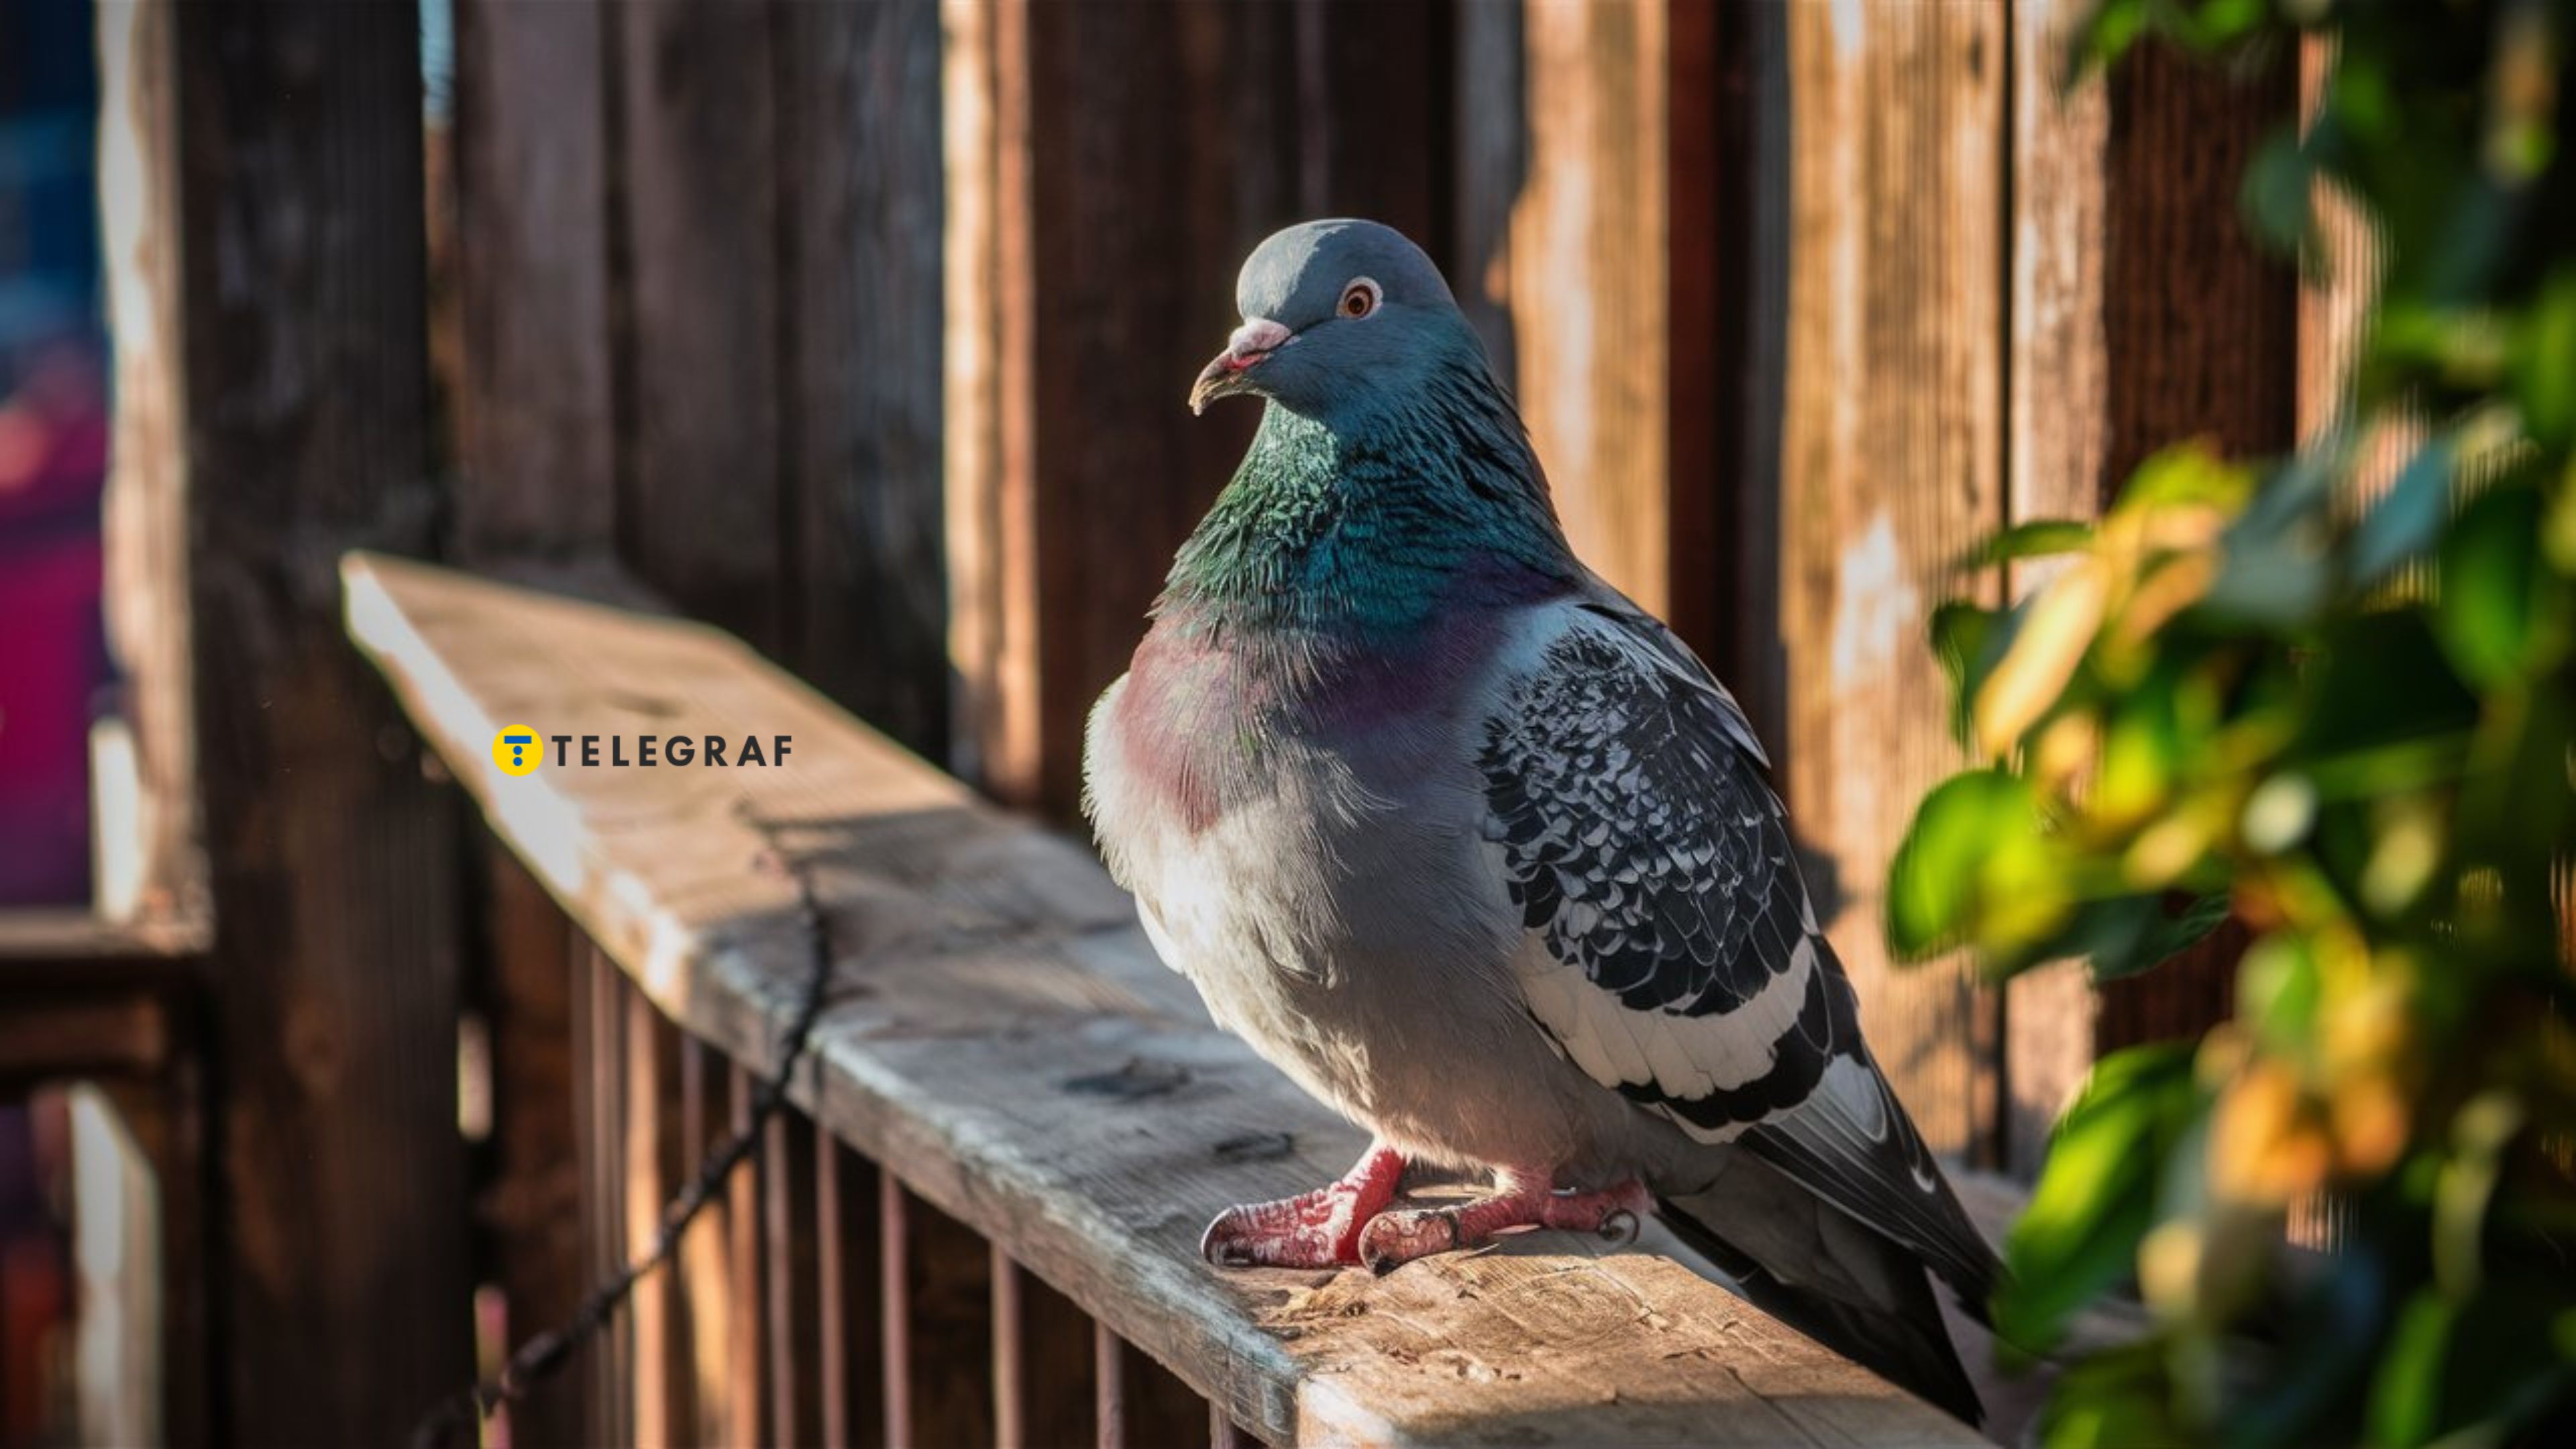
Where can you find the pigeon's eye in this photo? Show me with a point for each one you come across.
(1360, 298)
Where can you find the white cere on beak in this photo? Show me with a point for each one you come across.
(1254, 338)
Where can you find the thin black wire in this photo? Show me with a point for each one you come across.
(541, 1357)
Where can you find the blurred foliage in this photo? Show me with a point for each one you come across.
(2346, 715)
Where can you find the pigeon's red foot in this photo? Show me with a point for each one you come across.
(1320, 1229)
(1391, 1240)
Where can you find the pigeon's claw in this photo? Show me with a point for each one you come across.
(1393, 1239)
(1319, 1229)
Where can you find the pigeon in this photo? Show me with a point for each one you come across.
(1481, 855)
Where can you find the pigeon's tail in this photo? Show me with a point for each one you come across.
(1866, 1297)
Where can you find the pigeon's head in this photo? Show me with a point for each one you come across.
(1336, 313)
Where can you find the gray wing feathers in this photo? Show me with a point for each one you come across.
(1673, 952)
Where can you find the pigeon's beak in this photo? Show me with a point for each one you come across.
(1229, 373)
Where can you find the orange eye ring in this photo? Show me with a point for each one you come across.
(1360, 299)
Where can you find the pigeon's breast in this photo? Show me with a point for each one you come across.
(1315, 867)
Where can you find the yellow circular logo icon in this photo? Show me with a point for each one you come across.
(518, 750)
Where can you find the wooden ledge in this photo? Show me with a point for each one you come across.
(1003, 1039)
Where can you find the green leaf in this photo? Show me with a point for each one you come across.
(2279, 196)
(2120, 1398)
(2378, 679)
(2406, 1395)
(2169, 933)
(2544, 369)
(2036, 538)
(2503, 612)
(2096, 1195)
(1967, 638)
(1974, 867)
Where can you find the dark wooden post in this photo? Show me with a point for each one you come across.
(860, 254)
(294, 326)
(535, 479)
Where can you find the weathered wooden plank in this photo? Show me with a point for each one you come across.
(529, 1202)
(50, 1035)
(298, 334)
(537, 447)
(1110, 167)
(841, 1234)
(1719, 310)
(947, 1343)
(1160, 1407)
(1109, 1389)
(1891, 465)
(788, 1244)
(990, 978)
(145, 509)
(860, 183)
(1043, 1371)
(611, 1364)
(658, 1392)
(704, 1268)
(1579, 276)
(747, 1318)
(2057, 434)
(894, 1309)
(831, 1334)
(700, 506)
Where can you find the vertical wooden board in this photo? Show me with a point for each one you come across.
(1159, 1408)
(1110, 167)
(859, 152)
(1044, 1376)
(146, 499)
(982, 379)
(173, 1131)
(938, 1323)
(2333, 313)
(2057, 432)
(538, 462)
(700, 512)
(1492, 163)
(612, 1354)
(1119, 233)
(2332, 308)
(851, 1339)
(302, 334)
(658, 1392)
(704, 1268)
(1710, 224)
(2201, 327)
(530, 1204)
(1892, 465)
(787, 1231)
(744, 1390)
(2141, 315)
(590, 1376)
(1373, 116)
(1586, 282)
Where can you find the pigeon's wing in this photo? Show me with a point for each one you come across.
(1671, 950)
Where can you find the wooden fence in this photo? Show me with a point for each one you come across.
(980, 1225)
(861, 331)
